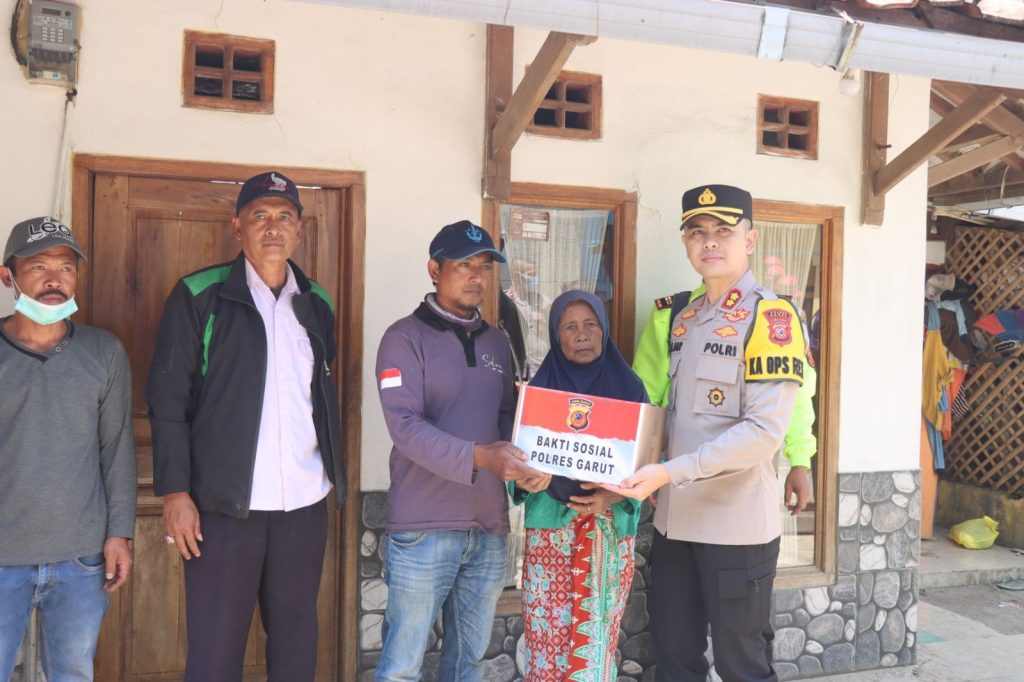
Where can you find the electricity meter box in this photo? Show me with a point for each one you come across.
(53, 42)
(587, 437)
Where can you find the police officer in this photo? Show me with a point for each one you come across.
(651, 363)
(736, 364)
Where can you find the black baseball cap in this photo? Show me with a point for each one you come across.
(36, 235)
(724, 202)
(462, 240)
(269, 184)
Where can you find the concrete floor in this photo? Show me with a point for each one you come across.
(968, 630)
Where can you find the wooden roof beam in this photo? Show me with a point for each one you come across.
(977, 135)
(976, 158)
(497, 176)
(1000, 120)
(960, 119)
(993, 180)
(876, 142)
(531, 91)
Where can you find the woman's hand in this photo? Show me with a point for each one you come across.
(597, 503)
(646, 480)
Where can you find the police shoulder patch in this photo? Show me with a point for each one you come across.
(775, 350)
(663, 303)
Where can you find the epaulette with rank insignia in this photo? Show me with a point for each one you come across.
(775, 349)
(663, 303)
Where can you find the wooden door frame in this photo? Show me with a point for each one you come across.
(348, 320)
(826, 526)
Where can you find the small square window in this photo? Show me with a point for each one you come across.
(231, 73)
(787, 127)
(571, 108)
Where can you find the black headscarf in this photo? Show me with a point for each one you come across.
(608, 376)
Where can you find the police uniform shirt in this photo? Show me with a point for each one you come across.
(735, 367)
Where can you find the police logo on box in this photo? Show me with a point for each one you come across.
(579, 414)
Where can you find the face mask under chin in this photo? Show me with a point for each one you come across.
(42, 313)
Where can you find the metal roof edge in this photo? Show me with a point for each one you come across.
(736, 27)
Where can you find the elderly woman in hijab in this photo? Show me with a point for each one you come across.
(578, 559)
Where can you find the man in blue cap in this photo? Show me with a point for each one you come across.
(446, 389)
(247, 441)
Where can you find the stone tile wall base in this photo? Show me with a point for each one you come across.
(866, 620)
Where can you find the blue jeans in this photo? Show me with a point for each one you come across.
(71, 603)
(460, 572)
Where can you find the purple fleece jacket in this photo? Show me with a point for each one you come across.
(452, 390)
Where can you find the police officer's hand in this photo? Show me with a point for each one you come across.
(641, 484)
(117, 555)
(798, 483)
(534, 484)
(504, 460)
(181, 522)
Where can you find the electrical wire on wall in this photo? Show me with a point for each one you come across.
(61, 200)
(21, 44)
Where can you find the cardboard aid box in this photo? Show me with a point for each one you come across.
(586, 437)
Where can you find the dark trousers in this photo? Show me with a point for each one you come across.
(274, 557)
(728, 586)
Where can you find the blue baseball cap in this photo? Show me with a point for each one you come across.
(269, 184)
(462, 240)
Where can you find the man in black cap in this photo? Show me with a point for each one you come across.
(247, 441)
(67, 491)
(446, 389)
(737, 360)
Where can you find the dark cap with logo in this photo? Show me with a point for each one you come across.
(725, 202)
(36, 235)
(269, 184)
(462, 240)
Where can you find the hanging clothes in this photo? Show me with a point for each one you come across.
(936, 379)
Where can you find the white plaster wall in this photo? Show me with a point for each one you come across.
(356, 90)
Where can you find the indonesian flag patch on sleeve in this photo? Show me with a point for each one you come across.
(390, 378)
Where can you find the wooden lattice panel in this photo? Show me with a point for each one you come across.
(987, 448)
(993, 260)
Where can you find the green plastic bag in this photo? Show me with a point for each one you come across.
(976, 533)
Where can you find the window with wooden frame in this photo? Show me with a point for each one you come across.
(571, 108)
(799, 256)
(230, 73)
(787, 127)
(557, 238)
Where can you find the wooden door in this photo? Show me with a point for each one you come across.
(146, 233)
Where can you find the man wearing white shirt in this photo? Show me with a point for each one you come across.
(246, 441)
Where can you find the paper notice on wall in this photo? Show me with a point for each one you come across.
(529, 224)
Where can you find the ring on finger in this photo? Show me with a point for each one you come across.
(169, 539)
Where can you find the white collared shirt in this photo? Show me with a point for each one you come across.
(289, 472)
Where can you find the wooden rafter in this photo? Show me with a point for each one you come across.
(963, 117)
(1000, 120)
(994, 187)
(876, 142)
(974, 159)
(976, 136)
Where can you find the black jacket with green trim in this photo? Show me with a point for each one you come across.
(206, 386)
